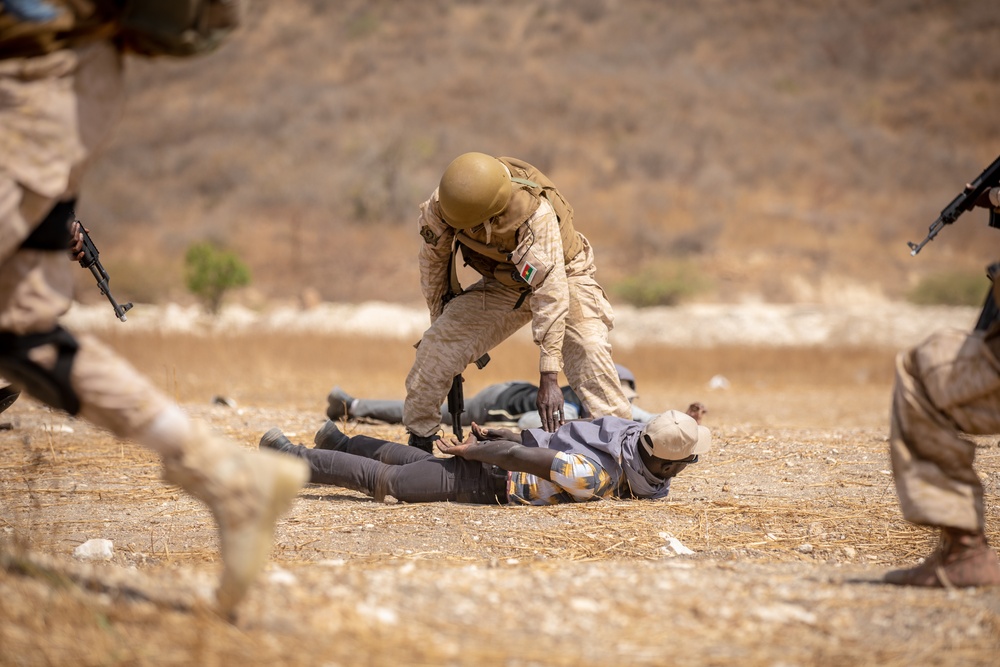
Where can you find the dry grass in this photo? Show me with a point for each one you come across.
(298, 370)
(791, 516)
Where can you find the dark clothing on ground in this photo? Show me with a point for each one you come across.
(409, 474)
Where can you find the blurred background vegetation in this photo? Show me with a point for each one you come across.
(714, 151)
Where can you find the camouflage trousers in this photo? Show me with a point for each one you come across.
(54, 112)
(482, 317)
(946, 387)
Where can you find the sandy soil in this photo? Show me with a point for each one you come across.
(791, 519)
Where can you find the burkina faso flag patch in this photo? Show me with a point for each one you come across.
(527, 272)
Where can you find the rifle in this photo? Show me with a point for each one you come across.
(91, 260)
(990, 178)
(456, 398)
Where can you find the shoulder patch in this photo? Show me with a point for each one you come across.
(428, 235)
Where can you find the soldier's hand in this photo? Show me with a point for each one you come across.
(983, 200)
(76, 242)
(550, 402)
(697, 411)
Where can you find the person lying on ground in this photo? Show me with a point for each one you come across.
(500, 402)
(581, 461)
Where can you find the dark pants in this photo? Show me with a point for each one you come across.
(380, 468)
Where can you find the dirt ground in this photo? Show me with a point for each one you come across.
(792, 519)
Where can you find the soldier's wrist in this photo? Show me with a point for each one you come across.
(995, 197)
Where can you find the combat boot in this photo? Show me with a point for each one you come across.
(424, 442)
(338, 404)
(246, 492)
(330, 437)
(276, 440)
(962, 559)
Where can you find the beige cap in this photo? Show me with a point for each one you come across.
(673, 436)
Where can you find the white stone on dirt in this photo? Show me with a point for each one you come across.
(97, 549)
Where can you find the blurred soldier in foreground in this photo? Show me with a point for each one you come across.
(60, 93)
(947, 386)
(501, 402)
(515, 229)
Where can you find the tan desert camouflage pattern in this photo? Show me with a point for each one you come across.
(570, 317)
(49, 130)
(56, 111)
(947, 386)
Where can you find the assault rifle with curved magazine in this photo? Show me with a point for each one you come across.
(90, 259)
(965, 201)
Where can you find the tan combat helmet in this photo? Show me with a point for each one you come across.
(473, 189)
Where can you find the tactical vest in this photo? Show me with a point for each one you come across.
(487, 248)
(148, 27)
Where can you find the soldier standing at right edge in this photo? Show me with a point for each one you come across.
(945, 387)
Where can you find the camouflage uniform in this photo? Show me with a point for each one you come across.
(568, 310)
(56, 109)
(946, 386)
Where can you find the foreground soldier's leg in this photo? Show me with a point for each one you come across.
(246, 491)
(55, 111)
(948, 385)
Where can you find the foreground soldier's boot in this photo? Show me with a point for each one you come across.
(962, 559)
(246, 492)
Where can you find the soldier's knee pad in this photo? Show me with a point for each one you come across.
(51, 386)
(52, 233)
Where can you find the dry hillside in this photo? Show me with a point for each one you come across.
(771, 150)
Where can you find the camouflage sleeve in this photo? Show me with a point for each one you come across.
(550, 297)
(435, 250)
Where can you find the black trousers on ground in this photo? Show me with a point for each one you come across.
(381, 468)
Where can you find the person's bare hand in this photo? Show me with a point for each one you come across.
(550, 402)
(76, 243)
(697, 411)
(449, 444)
(483, 433)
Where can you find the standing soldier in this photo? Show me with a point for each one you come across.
(945, 387)
(513, 227)
(60, 93)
